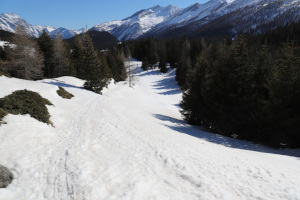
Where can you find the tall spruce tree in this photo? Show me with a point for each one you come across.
(90, 62)
(46, 46)
(284, 88)
(116, 64)
(76, 57)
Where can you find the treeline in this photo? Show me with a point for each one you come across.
(32, 59)
(247, 87)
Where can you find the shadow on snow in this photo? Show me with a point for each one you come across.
(169, 84)
(199, 132)
(62, 84)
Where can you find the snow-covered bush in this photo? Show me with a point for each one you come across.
(25, 102)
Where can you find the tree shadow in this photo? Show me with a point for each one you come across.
(148, 73)
(169, 84)
(61, 84)
(202, 133)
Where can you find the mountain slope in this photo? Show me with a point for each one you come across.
(139, 23)
(213, 18)
(221, 17)
(130, 143)
(101, 40)
(9, 21)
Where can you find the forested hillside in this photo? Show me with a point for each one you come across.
(247, 87)
(35, 59)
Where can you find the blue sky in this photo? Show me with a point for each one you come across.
(75, 14)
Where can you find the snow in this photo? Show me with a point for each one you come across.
(8, 22)
(3, 43)
(139, 23)
(131, 143)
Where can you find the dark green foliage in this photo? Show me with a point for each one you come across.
(4, 74)
(5, 35)
(162, 63)
(244, 90)
(3, 53)
(94, 66)
(46, 46)
(76, 57)
(64, 94)
(116, 64)
(25, 102)
(145, 64)
(193, 101)
(95, 80)
(184, 65)
(3, 113)
(101, 40)
(284, 89)
(247, 88)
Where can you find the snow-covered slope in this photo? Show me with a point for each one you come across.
(241, 15)
(130, 143)
(9, 21)
(139, 23)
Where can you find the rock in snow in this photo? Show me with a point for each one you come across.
(6, 177)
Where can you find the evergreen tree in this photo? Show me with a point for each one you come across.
(105, 71)
(184, 66)
(90, 61)
(284, 87)
(145, 64)
(46, 46)
(162, 63)
(116, 64)
(76, 57)
(192, 104)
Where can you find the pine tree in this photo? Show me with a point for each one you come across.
(162, 63)
(145, 64)
(105, 71)
(91, 65)
(192, 104)
(284, 88)
(162, 59)
(46, 46)
(26, 60)
(116, 64)
(76, 57)
(184, 66)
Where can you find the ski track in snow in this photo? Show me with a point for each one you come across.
(130, 143)
(61, 173)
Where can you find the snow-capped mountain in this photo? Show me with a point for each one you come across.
(139, 23)
(226, 16)
(229, 16)
(9, 21)
(215, 17)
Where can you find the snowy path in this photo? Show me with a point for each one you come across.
(130, 143)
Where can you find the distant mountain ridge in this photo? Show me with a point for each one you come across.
(213, 18)
(139, 23)
(9, 21)
(220, 17)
